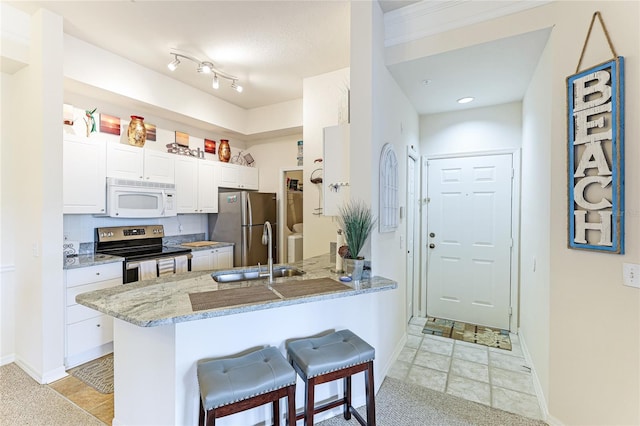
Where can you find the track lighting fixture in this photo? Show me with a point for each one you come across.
(205, 67)
(174, 64)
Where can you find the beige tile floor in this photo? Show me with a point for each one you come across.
(98, 404)
(491, 376)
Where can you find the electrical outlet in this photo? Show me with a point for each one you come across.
(631, 274)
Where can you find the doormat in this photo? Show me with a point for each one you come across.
(97, 373)
(487, 336)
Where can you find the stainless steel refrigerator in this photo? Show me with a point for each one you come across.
(240, 220)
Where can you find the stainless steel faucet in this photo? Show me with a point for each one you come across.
(267, 239)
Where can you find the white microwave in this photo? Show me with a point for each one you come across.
(130, 199)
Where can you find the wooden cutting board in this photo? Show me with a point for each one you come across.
(199, 243)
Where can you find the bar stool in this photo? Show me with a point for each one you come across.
(335, 356)
(232, 385)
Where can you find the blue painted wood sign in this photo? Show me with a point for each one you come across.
(595, 100)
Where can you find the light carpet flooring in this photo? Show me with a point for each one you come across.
(491, 376)
(25, 402)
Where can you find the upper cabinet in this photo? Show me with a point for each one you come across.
(133, 163)
(83, 180)
(196, 188)
(237, 176)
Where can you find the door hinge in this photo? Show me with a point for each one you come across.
(510, 311)
(513, 173)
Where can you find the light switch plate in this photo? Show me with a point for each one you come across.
(631, 274)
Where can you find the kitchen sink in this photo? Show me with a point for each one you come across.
(230, 277)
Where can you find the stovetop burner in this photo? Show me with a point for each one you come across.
(135, 242)
(145, 253)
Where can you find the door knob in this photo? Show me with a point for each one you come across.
(432, 245)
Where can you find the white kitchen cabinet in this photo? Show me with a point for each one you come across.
(89, 333)
(196, 188)
(159, 166)
(134, 163)
(207, 187)
(83, 175)
(237, 177)
(209, 259)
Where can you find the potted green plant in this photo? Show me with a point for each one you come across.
(356, 221)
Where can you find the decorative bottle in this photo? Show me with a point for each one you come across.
(136, 132)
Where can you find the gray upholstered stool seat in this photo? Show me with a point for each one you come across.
(335, 356)
(254, 379)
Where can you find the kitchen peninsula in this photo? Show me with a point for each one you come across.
(159, 336)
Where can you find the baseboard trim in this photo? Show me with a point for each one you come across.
(542, 401)
(7, 359)
(45, 378)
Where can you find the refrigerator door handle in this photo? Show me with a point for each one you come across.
(249, 212)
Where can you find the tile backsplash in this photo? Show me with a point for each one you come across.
(81, 227)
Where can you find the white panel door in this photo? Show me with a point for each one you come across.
(469, 244)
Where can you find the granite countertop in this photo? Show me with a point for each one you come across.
(166, 300)
(86, 260)
(213, 245)
(92, 259)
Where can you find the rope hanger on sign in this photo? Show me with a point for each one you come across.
(586, 40)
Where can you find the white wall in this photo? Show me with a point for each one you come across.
(35, 119)
(534, 222)
(472, 130)
(273, 155)
(7, 230)
(322, 97)
(380, 113)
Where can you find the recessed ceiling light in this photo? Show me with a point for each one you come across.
(426, 81)
(465, 100)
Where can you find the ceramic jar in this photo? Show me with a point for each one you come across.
(224, 152)
(137, 133)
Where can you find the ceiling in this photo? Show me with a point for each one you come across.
(271, 46)
(492, 73)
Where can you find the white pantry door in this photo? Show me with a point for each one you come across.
(469, 244)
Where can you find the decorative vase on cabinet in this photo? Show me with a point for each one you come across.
(137, 133)
(224, 153)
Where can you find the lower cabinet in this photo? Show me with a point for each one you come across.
(88, 333)
(209, 259)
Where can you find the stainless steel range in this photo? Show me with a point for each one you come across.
(141, 246)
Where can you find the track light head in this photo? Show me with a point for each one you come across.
(235, 86)
(205, 67)
(174, 64)
(216, 83)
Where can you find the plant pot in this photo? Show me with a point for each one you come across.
(354, 268)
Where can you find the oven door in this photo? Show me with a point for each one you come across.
(144, 269)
